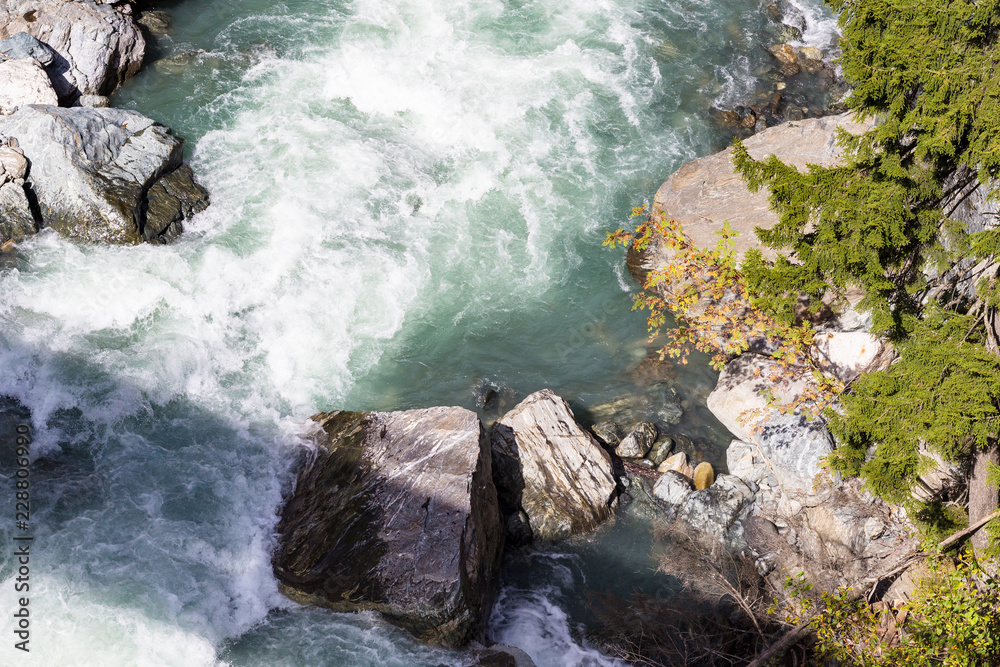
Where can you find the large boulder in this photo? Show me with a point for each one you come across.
(397, 513)
(706, 192)
(794, 445)
(97, 46)
(24, 82)
(545, 464)
(106, 175)
(717, 510)
(17, 220)
(712, 514)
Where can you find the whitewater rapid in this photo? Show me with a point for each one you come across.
(408, 199)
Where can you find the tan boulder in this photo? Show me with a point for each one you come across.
(704, 193)
(784, 53)
(678, 463)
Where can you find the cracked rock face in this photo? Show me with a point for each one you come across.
(103, 175)
(551, 468)
(97, 47)
(398, 514)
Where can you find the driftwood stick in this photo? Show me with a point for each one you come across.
(966, 532)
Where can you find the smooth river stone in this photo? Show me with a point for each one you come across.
(398, 514)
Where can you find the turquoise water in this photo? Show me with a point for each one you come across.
(408, 204)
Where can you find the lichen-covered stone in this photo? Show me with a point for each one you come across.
(397, 513)
(660, 450)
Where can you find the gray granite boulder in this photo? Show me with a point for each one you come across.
(547, 465)
(97, 46)
(715, 511)
(397, 513)
(795, 446)
(107, 175)
(672, 488)
(24, 45)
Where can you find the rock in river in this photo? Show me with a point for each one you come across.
(397, 513)
(24, 82)
(638, 443)
(545, 464)
(106, 175)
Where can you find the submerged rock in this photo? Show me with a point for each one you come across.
(397, 513)
(502, 655)
(156, 22)
(105, 174)
(545, 464)
(15, 422)
(637, 443)
(608, 433)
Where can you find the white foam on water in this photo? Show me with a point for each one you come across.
(93, 633)
(529, 620)
(820, 25)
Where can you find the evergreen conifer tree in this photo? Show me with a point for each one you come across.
(928, 71)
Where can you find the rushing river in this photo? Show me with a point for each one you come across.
(408, 203)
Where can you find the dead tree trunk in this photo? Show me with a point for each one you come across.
(983, 498)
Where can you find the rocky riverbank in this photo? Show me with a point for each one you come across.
(789, 512)
(70, 162)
